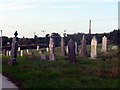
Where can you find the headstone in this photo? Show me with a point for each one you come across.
(94, 48)
(104, 44)
(67, 49)
(31, 56)
(27, 51)
(14, 49)
(114, 47)
(51, 49)
(40, 52)
(71, 51)
(47, 49)
(21, 53)
(4, 52)
(76, 48)
(19, 49)
(43, 57)
(9, 53)
(83, 51)
(37, 48)
(63, 53)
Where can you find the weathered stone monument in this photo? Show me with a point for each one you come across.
(114, 47)
(51, 49)
(7, 53)
(76, 48)
(38, 48)
(94, 48)
(104, 44)
(43, 56)
(71, 51)
(14, 49)
(4, 52)
(63, 53)
(21, 53)
(83, 51)
(66, 49)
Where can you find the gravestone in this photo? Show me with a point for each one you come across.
(31, 56)
(4, 52)
(104, 44)
(43, 57)
(114, 47)
(37, 48)
(14, 48)
(40, 52)
(94, 48)
(19, 49)
(63, 53)
(67, 49)
(9, 53)
(76, 48)
(51, 49)
(21, 53)
(47, 49)
(27, 51)
(83, 51)
(71, 51)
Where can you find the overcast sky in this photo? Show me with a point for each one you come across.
(29, 16)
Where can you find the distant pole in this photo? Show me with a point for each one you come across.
(90, 27)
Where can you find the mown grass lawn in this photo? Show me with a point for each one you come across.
(86, 73)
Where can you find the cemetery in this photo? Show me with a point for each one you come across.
(94, 65)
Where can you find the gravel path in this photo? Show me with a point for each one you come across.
(5, 83)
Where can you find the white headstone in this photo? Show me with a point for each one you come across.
(47, 49)
(9, 53)
(21, 53)
(66, 49)
(114, 47)
(76, 48)
(37, 48)
(94, 48)
(27, 51)
(18, 48)
(104, 44)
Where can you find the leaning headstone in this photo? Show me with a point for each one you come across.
(76, 48)
(14, 49)
(94, 48)
(4, 52)
(51, 49)
(21, 53)
(104, 44)
(37, 48)
(43, 57)
(71, 51)
(63, 53)
(114, 47)
(83, 50)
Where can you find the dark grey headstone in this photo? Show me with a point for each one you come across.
(43, 56)
(31, 56)
(14, 49)
(71, 51)
(63, 53)
(83, 52)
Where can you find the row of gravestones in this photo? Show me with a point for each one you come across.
(71, 50)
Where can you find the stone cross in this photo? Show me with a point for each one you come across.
(94, 48)
(37, 48)
(51, 49)
(71, 51)
(63, 53)
(21, 53)
(83, 51)
(76, 48)
(14, 48)
(104, 44)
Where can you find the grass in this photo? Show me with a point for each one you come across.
(86, 73)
